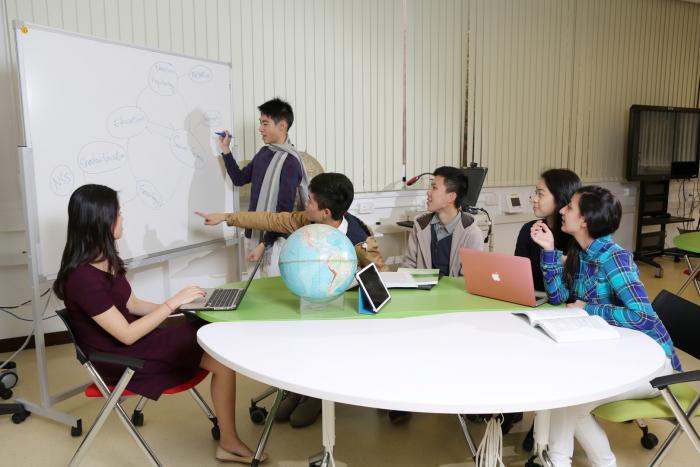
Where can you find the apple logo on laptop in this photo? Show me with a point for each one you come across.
(496, 277)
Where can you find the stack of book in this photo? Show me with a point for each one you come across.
(423, 277)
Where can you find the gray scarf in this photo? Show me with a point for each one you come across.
(269, 191)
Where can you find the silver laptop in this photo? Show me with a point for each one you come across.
(221, 299)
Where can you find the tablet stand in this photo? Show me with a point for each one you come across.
(363, 305)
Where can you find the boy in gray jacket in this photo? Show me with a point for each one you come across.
(438, 235)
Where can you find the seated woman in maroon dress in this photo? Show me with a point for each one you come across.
(108, 317)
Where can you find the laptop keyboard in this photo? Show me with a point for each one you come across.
(223, 298)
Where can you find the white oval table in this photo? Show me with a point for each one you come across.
(457, 363)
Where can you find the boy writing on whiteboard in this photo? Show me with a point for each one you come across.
(276, 175)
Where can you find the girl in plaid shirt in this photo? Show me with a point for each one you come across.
(599, 276)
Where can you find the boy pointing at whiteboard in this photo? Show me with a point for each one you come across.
(276, 175)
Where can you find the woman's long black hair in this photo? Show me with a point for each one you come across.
(562, 183)
(92, 215)
(602, 212)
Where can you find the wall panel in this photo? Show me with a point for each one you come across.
(552, 81)
(338, 63)
(549, 81)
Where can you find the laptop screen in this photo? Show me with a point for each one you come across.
(252, 273)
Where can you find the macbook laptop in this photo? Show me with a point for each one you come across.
(499, 276)
(221, 299)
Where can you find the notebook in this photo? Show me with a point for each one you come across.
(221, 299)
(499, 276)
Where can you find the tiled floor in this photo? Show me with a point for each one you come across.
(179, 433)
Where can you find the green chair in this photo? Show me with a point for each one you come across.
(678, 400)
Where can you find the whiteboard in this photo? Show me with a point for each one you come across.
(140, 121)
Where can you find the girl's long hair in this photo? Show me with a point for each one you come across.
(562, 183)
(92, 215)
(602, 212)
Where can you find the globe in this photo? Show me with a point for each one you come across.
(318, 263)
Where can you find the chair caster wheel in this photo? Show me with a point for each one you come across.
(649, 441)
(6, 394)
(77, 430)
(215, 432)
(137, 418)
(19, 417)
(531, 462)
(258, 415)
(659, 273)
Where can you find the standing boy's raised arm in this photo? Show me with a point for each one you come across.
(238, 176)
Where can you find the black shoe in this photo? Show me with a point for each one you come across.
(510, 419)
(306, 413)
(287, 406)
(396, 417)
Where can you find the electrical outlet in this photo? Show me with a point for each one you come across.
(688, 193)
(366, 208)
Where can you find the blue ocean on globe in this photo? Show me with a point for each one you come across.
(318, 262)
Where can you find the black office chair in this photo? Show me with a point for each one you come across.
(114, 393)
(682, 321)
(8, 380)
(18, 412)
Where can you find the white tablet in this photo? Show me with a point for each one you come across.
(372, 285)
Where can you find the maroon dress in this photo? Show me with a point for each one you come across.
(171, 354)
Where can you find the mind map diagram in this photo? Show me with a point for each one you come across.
(156, 144)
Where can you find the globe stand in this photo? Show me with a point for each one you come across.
(307, 307)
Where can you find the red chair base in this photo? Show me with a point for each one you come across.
(92, 391)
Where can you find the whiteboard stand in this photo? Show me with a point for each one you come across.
(44, 407)
(86, 66)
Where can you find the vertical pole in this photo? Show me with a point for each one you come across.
(25, 155)
(405, 67)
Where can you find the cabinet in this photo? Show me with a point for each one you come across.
(653, 211)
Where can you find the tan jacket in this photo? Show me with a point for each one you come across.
(288, 222)
(466, 235)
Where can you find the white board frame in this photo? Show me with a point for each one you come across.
(27, 167)
(38, 279)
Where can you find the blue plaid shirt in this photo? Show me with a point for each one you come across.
(608, 281)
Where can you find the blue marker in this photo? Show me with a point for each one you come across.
(220, 133)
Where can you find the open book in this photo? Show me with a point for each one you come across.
(423, 276)
(570, 324)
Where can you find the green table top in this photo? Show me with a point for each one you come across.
(688, 242)
(269, 299)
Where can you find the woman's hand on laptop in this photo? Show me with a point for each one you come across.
(212, 218)
(186, 295)
(540, 234)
